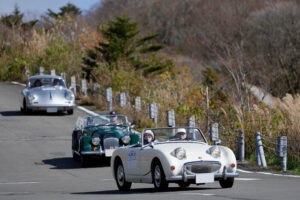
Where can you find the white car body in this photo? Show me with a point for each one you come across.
(202, 163)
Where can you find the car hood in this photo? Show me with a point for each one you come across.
(194, 150)
(46, 93)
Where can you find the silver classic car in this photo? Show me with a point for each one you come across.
(47, 93)
(173, 155)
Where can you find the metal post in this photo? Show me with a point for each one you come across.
(73, 84)
(53, 73)
(84, 87)
(137, 103)
(191, 121)
(122, 99)
(241, 146)
(260, 148)
(108, 94)
(153, 112)
(282, 151)
(171, 118)
(213, 132)
(42, 70)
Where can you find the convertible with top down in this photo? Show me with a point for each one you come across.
(99, 136)
(173, 155)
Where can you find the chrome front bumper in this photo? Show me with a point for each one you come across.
(188, 175)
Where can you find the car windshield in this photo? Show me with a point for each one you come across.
(102, 120)
(173, 134)
(38, 82)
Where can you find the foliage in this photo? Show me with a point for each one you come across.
(69, 9)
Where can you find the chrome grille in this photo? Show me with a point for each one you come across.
(203, 166)
(111, 142)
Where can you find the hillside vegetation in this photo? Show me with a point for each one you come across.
(197, 57)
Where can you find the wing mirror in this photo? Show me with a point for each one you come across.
(218, 141)
(71, 88)
(132, 126)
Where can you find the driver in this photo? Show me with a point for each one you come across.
(37, 83)
(181, 134)
(114, 118)
(148, 137)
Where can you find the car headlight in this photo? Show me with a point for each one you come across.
(69, 95)
(125, 139)
(95, 141)
(179, 153)
(214, 151)
(32, 97)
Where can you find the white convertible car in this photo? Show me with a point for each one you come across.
(173, 155)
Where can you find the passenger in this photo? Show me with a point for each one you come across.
(181, 134)
(148, 137)
(56, 82)
(37, 83)
(114, 119)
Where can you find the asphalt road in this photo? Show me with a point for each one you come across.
(36, 163)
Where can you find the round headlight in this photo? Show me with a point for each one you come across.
(125, 139)
(69, 96)
(95, 141)
(180, 153)
(215, 151)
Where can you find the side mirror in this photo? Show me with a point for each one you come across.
(132, 126)
(71, 88)
(218, 141)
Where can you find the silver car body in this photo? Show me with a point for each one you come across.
(41, 94)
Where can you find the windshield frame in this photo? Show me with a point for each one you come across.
(174, 141)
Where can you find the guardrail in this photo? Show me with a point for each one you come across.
(233, 138)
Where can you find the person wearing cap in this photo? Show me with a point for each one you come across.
(181, 134)
(148, 137)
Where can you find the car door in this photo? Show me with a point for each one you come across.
(132, 160)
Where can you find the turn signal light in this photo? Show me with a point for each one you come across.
(95, 148)
(172, 168)
(233, 165)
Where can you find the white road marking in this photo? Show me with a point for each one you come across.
(17, 183)
(285, 175)
(108, 179)
(247, 179)
(244, 171)
(200, 194)
(87, 111)
(16, 83)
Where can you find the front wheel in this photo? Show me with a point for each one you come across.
(70, 112)
(84, 161)
(183, 184)
(228, 183)
(158, 176)
(122, 184)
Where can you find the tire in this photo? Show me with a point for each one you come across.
(84, 161)
(70, 112)
(75, 156)
(228, 183)
(158, 176)
(120, 178)
(183, 184)
(24, 109)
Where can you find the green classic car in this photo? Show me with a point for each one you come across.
(99, 136)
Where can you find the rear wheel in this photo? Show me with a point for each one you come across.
(70, 112)
(84, 161)
(75, 156)
(158, 176)
(228, 183)
(122, 184)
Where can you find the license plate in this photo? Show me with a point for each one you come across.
(51, 110)
(205, 178)
(109, 152)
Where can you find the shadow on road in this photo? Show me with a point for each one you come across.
(69, 163)
(11, 113)
(36, 113)
(143, 191)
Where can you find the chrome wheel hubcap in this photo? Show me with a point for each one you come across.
(157, 175)
(120, 175)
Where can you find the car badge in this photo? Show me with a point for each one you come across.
(199, 157)
(50, 96)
